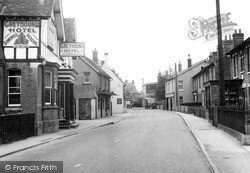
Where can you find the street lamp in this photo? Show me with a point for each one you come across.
(220, 51)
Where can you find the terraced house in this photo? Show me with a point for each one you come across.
(33, 76)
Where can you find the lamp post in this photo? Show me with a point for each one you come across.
(220, 51)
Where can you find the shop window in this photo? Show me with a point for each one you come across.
(14, 87)
(86, 77)
(48, 88)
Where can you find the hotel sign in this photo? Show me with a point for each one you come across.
(21, 34)
(207, 28)
(72, 49)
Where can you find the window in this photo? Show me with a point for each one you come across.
(181, 99)
(14, 87)
(55, 88)
(86, 77)
(248, 60)
(52, 44)
(119, 101)
(235, 66)
(180, 85)
(241, 62)
(48, 88)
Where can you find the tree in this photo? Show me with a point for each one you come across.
(160, 88)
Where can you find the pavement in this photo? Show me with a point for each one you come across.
(224, 153)
(84, 125)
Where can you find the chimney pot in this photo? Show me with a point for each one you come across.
(95, 56)
(238, 38)
(189, 61)
(106, 56)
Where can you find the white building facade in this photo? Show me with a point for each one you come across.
(116, 87)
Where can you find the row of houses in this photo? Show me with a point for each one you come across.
(198, 86)
(36, 79)
(195, 84)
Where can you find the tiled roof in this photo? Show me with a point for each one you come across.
(70, 30)
(238, 47)
(130, 87)
(95, 66)
(41, 8)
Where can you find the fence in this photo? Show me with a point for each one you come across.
(211, 113)
(15, 127)
(232, 118)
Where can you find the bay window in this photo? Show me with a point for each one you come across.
(48, 88)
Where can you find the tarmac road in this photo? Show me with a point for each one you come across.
(150, 141)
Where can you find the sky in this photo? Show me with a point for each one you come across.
(145, 37)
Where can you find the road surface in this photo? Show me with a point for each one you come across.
(150, 141)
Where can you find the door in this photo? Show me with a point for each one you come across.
(84, 109)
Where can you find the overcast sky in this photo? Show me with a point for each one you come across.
(144, 37)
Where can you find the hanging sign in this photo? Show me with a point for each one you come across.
(21, 34)
(72, 49)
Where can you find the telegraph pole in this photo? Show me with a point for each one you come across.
(220, 51)
(176, 89)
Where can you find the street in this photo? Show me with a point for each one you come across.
(149, 141)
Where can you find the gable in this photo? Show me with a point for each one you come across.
(38, 8)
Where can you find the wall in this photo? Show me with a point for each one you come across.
(80, 66)
(116, 86)
(187, 81)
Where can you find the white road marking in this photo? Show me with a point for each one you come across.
(117, 140)
(77, 165)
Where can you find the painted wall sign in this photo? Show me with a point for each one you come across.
(207, 28)
(72, 49)
(21, 34)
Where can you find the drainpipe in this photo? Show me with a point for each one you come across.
(42, 93)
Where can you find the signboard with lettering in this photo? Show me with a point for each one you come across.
(207, 28)
(72, 49)
(21, 34)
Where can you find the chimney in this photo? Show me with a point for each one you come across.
(213, 56)
(95, 56)
(179, 67)
(41, 2)
(189, 61)
(227, 45)
(1, 4)
(102, 62)
(106, 56)
(133, 81)
(238, 37)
